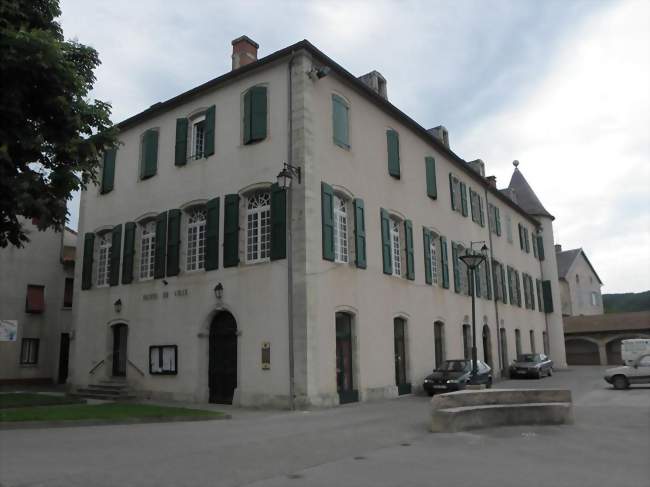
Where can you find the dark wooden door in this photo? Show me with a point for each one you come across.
(344, 360)
(438, 338)
(119, 350)
(222, 367)
(487, 345)
(504, 351)
(403, 387)
(64, 357)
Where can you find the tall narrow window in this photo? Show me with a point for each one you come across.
(67, 292)
(35, 300)
(467, 342)
(340, 230)
(196, 240)
(340, 122)
(258, 227)
(29, 351)
(198, 137)
(396, 253)
(518, 342)
(434, 258)
(532, 341)
(147, 250)
(104, 259)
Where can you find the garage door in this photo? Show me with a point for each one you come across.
(581, 352)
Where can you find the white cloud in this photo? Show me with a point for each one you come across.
(582, 137)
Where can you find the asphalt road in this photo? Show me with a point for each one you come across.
(370, 444)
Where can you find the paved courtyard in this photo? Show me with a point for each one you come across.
(372, 444)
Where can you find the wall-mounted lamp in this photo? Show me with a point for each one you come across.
(118, 305)
(287, 174)
(218, 291)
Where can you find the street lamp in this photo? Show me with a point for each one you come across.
(284, 182)
(118, 305)
(218, 291)
(472, 260)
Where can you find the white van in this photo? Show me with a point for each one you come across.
(632, 349)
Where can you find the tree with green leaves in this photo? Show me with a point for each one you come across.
(51, 133)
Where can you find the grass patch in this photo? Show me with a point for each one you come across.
(106, 412)
(23, 399)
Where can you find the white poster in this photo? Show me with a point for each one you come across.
(8, 330)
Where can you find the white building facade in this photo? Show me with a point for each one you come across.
(204, 280)
(580, 286)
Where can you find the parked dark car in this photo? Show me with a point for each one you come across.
(454, 375)
(536, 365)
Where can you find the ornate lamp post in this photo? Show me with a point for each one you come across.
(472, 260)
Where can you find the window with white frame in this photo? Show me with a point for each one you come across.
(258, 227)
(104, 259)
(340, 230)
(163, 359)
(196, 239)
(197, 137)
(434, 258)
(455, 194)
(594, 299)
(147, 250)
(395, 247)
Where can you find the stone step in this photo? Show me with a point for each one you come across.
(109, 387)
(87, 395)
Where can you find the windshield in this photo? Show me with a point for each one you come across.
(454, 365)
(527, 357)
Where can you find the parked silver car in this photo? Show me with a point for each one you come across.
(637, 373)
(536, 364)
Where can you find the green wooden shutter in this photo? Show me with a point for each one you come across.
(129, 251)
(410, 262)
(340, 123)
(208, 144)
(477, 281)
(248, 106)
(231, 231)
(526, 240)
(521, 236)
(149, 153)
(512, 300)
(392, 140)
(444, 262)
(517, 287)
(488, 280)
(258, 115)
(87, 266)
(540, 247)
(161, 246)
(173, 242)
(430, 167)
(504, 285)
(534, 239)
(456, 268)
(327, 215)
(538, 288)
(472, 206)
(532, 293)
(385, 242)
(498, 220)
(480, 210)
(108, 171)
(212, 234)
(116, 246)
(451, 192)
(278, 223)
(360, 233)
(426, 242)
(180, 153)
(463, 198)
(548, 297)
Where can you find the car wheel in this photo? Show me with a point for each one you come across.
(488, 384)
(550, 372)
(429, 393)
(620, 382)
(539, 374)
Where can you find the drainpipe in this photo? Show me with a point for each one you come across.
(292, 404)
(494, 290)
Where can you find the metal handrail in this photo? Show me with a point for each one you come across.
(101, 362)
(135, 367)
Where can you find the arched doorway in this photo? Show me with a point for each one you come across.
(222, 363)
(345, 360)
(120, 334)
(487, 346)
(581, 352)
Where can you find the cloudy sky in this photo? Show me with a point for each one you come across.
(562, 86)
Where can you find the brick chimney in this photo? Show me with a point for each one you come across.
(478, 165)
(558, 248)
(244, 51)
(492, 181)
(376, 82)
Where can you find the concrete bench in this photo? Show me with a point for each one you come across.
(465, 410)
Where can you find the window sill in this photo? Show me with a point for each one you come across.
(66, 308)
(256, 262)
(342, 145)
(28, 366)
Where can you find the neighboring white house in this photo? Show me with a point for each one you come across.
(36, 291)
(579, 283)
(185, 288)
